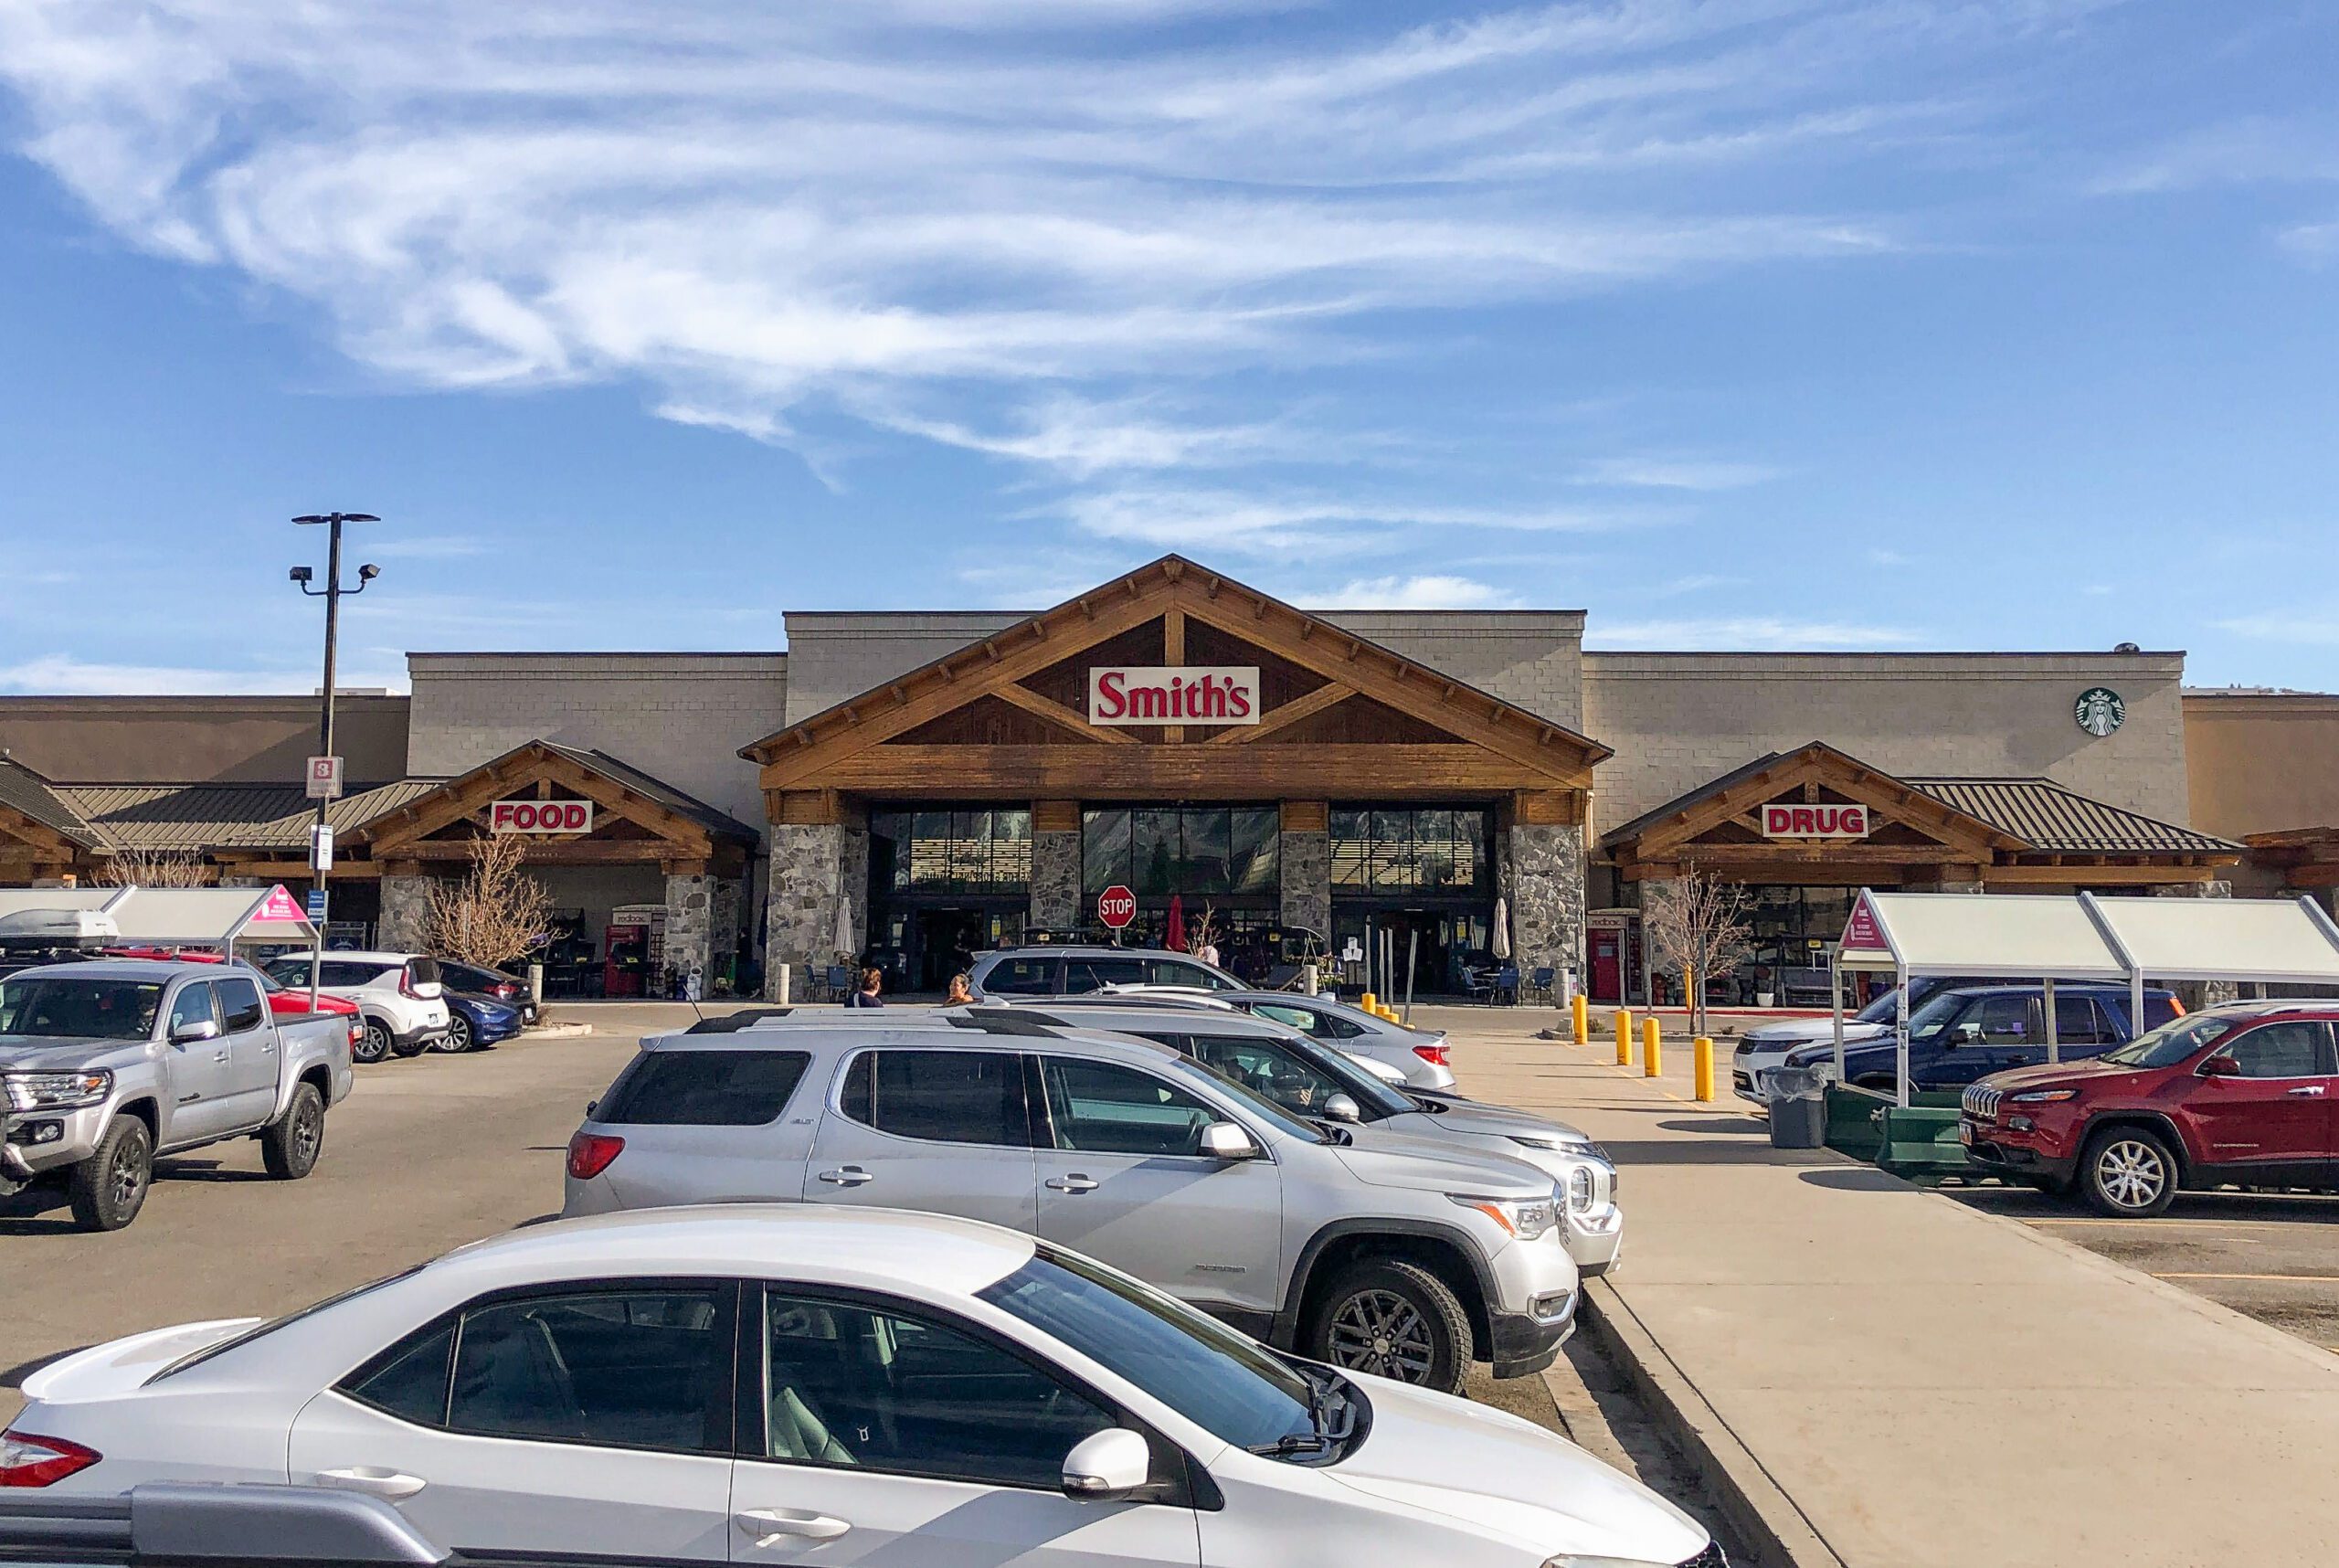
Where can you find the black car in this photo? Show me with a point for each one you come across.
(509, 989)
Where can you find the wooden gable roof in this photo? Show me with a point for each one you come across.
(1002, 716)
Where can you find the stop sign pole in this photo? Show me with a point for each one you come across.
(1116, 906)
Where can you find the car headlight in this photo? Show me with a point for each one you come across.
(1526, 1218)
(1553, 1143)
(1580, 1189)
(2044, 1096)
(58, 1091)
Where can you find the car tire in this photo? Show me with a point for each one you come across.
(290, 1145)
(458, 1037)
(108, 1188)
(2128, 1172)
(372, 1044)
(1395, 1319)
(405, 1048)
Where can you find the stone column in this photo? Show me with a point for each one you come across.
(807, 881)
(405, 900)
(1540, 870)
(689, 924)
(1055, 879)
(723, 940)
(2199, 993)
(1304, 869)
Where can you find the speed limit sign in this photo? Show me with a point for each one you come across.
(1116, 906)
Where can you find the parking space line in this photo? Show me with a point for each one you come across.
(2137, 1224)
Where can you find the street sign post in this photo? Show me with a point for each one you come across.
(324, 778)
(1116, 906)
(317, 906)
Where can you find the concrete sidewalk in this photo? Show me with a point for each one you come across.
(1901, 1381)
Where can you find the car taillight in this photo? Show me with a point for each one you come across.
(1434, 1054)
(589, 1154)
(406, 987)
(356, 1030)
(506, 991)
(27, 1459)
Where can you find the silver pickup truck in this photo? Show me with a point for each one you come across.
(105, 1065)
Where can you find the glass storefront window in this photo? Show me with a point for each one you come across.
(1429, 850)
(977, 851)
(1193, 850)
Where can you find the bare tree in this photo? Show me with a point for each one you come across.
(143, 867)
(1696, 921)
(495, 914)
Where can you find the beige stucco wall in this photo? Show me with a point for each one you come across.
(1677, 720)
(1532, 657)
(2262, 763)
(681, 717)
(196, 739)
(836, 656)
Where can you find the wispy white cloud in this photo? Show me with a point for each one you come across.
(2315, 628)
(2250, 150)
(1675, 473)
(1266, 523)
(59, 675)
(1696, 582)
(1428, 591)
(1757, 632)
(2312, 241)
(423, 547)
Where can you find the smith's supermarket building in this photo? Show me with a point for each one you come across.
(930, 784)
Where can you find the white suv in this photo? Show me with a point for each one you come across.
(398, 994)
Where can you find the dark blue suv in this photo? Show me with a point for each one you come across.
(1969, 1031)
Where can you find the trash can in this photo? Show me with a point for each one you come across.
(1798, 1108)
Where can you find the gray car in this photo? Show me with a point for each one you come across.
(1405, 1256)
(1421, 1055)
(1308, 1079)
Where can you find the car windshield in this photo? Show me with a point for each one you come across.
(1265, 1108)
(1374, 1097)
(1935, 1013)
(79, 1007)
(1882, 1010)
(2170, 1043)
(1230, 1385)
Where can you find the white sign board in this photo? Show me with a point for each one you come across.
(320, 846)
(1125, 695)
(324, 779)
(540, 817)
(1815, 822)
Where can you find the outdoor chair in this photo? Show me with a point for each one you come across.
(836, 981)
(1540, 983)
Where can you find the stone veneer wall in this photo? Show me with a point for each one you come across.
(1055, 880)
(1305, 866)
(689, 924)
(404, 901)
(1542, 876)
(806, 880)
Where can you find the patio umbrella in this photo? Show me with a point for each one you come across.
(1176, 937)
(844, 926)
(1501, 948)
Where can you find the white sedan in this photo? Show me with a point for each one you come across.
(790, 1383)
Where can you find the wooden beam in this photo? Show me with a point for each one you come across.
(2020, 875)
(1549, 808)
(1056, 713)
(1306, 816)
(1284, 716)
(1173, 652)
(1091, 773)
(543, 851)
(2314, 874)
(1055, 816)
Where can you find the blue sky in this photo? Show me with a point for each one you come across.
(1792, 323)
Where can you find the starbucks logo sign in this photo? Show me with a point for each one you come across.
(2098, 710)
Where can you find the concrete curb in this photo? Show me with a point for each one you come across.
(1760, 1513)
(557, 1032)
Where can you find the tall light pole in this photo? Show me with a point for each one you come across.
(332, 594)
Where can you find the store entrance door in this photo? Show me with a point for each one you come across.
(1608, 965)
(919, 946)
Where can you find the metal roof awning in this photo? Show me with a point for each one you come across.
(176, 916)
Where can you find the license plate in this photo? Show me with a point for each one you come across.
(1966, 1132)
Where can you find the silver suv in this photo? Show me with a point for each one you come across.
(1407, 1258)
(1307, 1079)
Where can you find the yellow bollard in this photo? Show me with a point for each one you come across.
(1369, 1003)
(1583, 1011)
(1623, 1037)
(1703, 1064)
(1652, 1053)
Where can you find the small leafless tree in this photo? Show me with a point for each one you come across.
(154, 868)
(1203, 932)
(1696, 922)
(494, 914)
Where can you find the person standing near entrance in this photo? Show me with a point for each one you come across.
(871, 981)
(959, 995)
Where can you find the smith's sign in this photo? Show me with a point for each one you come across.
(1173, 694)
(1815, 822)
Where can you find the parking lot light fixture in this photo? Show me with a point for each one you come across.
(331, 593)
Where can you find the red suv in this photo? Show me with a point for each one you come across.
(2245, 1094)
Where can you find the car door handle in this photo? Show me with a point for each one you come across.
(1075, 1182)
(220, 1056)
(770, 1526)
(847, 1176)
(2306, 1089)
(374, 1481)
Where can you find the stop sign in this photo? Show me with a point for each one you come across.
(1116, 906)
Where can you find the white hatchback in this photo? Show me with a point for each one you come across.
(745, 1384)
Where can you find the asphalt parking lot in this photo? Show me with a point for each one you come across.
(2270, 1257)
(437, 1150)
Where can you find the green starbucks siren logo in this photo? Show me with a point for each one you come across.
(2098, 710)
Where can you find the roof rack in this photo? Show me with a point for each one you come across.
(731, 1023)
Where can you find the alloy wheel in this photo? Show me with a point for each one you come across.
(127, 1175)
(457, 1036)
(2130, 1173)
(1379, 1331)
(308, 1132)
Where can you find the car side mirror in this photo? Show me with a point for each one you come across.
(1224, 1140)
(1109, 1465)
(191, 1033)
(2221, 1067)
(1341, 1107)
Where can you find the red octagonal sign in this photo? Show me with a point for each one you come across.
(1116, 906)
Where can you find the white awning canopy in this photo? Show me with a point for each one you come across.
(176, 916)
(2014, 935)
(2270, 941)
